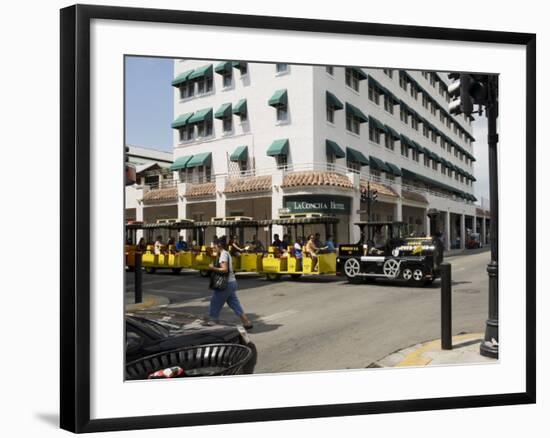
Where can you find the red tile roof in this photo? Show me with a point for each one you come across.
(413, 196)
(313, 178)
(200, 190)
(161, 195)
(382, 189)
(249, 184)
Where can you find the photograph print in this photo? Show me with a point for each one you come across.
(284, 218)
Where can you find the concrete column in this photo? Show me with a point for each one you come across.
(139, 210)
(483, 231)
(462, 231)
(398, 210)
(182, 209)
(220, 202)
(448, 230)
(277, 201)
(474, 226)
(354, 231)
(427, 224)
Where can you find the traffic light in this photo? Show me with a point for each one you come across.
(374, 195)
(364, 195)
(459, 91)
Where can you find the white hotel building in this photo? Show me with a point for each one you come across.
(259, 140)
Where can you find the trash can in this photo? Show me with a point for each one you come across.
(196, 361)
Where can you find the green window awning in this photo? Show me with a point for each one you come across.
(240, 108)
(278, 147)
(181, 78)
(239, 65)
(356, 156)
(239, 154)
(378, 164)
(333, 101)
(334, 149)
(392, 132)
(202, 159)
(394, 169)
(223, 68)
(377, 123)
(279, 98)
(201, 72)
(360, 73)
(356, 112)
(407, 141)
(223, 112)
(201, 116)
(182, 120)
(181, 162)
(416, 146)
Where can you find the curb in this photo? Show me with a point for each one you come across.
(465, 350)
(148, 302)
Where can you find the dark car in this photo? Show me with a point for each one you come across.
(151, 332)
(384, 252)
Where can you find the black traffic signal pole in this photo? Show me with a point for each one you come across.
(489, 347)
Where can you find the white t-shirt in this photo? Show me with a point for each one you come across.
(158, 247)
(226, 257)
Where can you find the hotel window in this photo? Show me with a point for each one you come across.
(461, 157)
(281, 68)
(433, 109)
(282, 113)
(227, 79)
(352, 124)
(187, 90)
(460, 134)
(415, 155)
(461, 178)
(352, 79)
(388, 104)
(456, 152)
(151, 180)
(376, 173)
(414, 122)
(449, 147)
(281, 161)
(404, 150)
(424, 101)
(204, 85)
(243, 68)
(414, 92)
(243, 166)
(204, 173)
(441, 89)
(331, 159)
(227, 124)
(388, 72)
(374, 134)
(403, 115)
(330, 70)
(390, 177)
(456, 176)
(425, 131)
(448, 121)
(441, 117)
(434, 165)
(434, 137)
(389, 142)
(433, 80)
(330, 114)
(374, 94)
(402, 81)
(455, 128)
(426, 161)
(187, 133)
(204, 129)
(442, 142)
(450, 172)
(425, 74)
(443, 170)
(354, 165)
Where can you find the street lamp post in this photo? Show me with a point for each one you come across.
(489, 347)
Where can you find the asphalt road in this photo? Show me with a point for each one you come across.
(325, 323)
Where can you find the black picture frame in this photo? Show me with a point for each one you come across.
(75, 216)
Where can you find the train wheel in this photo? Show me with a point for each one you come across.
(352, 270)
(418, 277)
(273, 277)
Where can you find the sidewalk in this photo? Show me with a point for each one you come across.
(465, 350)
(458, 252)
(149, 300)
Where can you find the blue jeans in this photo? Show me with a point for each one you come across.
(229, 296)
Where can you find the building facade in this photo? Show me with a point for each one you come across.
(260, 140)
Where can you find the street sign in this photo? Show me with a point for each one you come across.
(361, 212)
(284, 210)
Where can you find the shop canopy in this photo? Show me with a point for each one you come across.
(201, 72)
(201, 116)
(279, 98)
(356, 112)
(333, 102)
(394, 169)
(202, 159)
(240, 108)
(377, 164)
(334, 149)
(181, 162)
(239, 154)
(181, 78)
(356, 156)
(278, 147)
(223, 112)
(181, 121)
(223, 68)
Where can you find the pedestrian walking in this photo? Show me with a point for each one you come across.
(227, 295)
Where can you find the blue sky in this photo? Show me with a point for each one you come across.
(149, 102)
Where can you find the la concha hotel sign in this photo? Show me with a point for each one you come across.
(317, 204)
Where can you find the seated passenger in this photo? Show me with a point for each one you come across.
(312, 250)
(297, 252)
(158, 245)
(181, 245)
(255, 245)
(329, 245)
(277, 243)
(236, 249)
